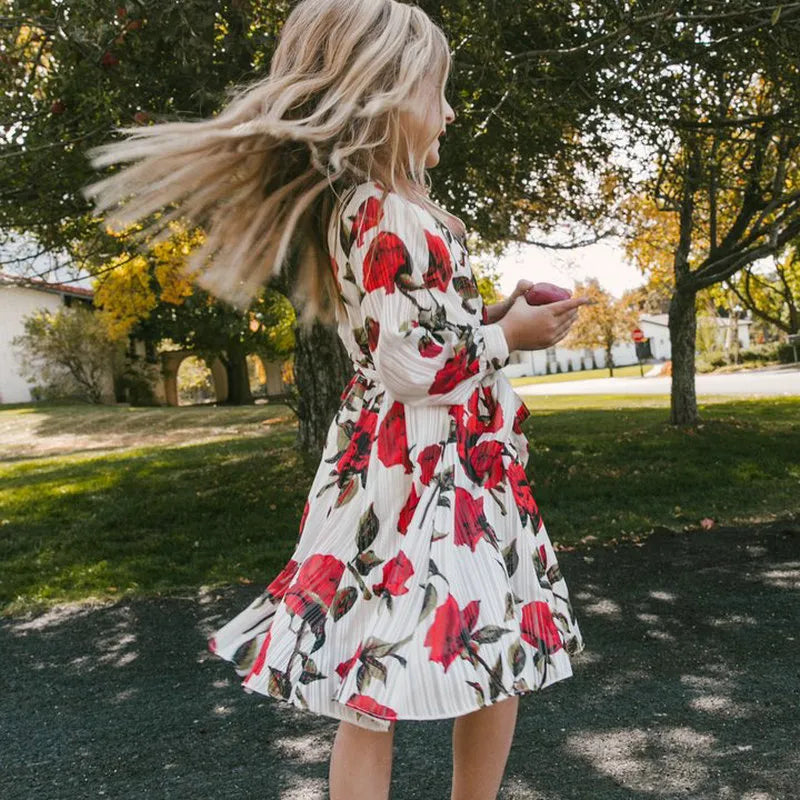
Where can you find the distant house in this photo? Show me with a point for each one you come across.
(656, 346)
(20, 297)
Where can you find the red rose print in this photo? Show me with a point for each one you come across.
(346, 666)
(487, 463)
(459, 415)
(258, 664)
(538, 627)
(458, 368)
(368, 705)
(355, 458)
(486, 414)
(315, 585)
(440, 267)
(279, 585)
(303, 519)
(392, 442)
(429, 347)
(386, 257)
(349, 386)
(543, 555)
(212, 644)
(450, 631)
(428, 459)
(396, 572)
(407, 512)
(373, 332)
(523, 412)
(470, 523)
(523, 496)
(369, 214)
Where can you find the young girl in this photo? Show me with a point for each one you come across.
(423, 584)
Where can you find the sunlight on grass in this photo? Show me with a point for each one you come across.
(164, 518)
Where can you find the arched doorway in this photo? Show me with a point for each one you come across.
(171, 362)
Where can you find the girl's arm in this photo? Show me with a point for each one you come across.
(403, 271)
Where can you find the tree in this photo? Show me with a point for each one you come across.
(68, 354)
(604, 324)
(76, 69)
(714, 98)
(774, 296)
(148, 295)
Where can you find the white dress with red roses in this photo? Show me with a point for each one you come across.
(423, 584)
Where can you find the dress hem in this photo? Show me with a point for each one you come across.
(555, 677)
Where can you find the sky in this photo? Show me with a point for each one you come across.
(604, 260)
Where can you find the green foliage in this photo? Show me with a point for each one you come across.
(527, 135)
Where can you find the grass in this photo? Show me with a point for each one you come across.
(629, 371)
(105, 502)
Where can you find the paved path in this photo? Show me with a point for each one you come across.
(753, 382)
(688, 690)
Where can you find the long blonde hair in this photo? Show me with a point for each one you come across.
(261, 177)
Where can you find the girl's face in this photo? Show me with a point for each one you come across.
(427, 119)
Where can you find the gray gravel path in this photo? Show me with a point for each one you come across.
(689, 688)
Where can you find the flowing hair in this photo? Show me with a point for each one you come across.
(262, 177)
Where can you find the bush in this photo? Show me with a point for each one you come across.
(134, 382)
(710, 361)
(766, 353)
(66, 355)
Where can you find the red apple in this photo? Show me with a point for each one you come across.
(542, 293)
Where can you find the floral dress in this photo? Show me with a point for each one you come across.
(423, 583)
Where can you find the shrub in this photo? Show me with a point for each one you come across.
(67, 354)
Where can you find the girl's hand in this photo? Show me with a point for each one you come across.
(497, 311)
(529, 327)
(521, 288)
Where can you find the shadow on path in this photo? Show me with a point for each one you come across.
(689, 687)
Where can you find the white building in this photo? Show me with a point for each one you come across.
(656, 346)
(18, 298)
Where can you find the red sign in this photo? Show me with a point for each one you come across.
(637, 335)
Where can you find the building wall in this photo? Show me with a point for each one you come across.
(563, 359)
(16, 302)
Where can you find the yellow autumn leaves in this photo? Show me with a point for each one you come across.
(131, 285)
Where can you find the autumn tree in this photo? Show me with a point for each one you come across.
(606, 323)
(714, 98)
(147, 295)
(773, 295)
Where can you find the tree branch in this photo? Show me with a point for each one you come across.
(566, 246)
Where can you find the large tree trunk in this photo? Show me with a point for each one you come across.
(235, 361)
(682, 334)
(322, 368)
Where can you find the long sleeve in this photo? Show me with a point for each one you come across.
(403, 271)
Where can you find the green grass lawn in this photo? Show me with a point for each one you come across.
(630, 371)
(111, 501)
